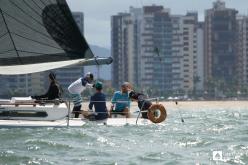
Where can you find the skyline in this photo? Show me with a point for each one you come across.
(97, 14)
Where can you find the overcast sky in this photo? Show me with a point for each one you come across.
(97, 13)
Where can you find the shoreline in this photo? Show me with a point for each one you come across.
(194, 105)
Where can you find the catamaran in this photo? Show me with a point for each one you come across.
(25, 112)
(36, 36)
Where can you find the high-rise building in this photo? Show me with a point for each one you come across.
(120, 47)
(221, 49)
(22, 85)
(137, 17)
(126, 50)
(155, 50)
(184, 51)
(242, 22)
(199, 76)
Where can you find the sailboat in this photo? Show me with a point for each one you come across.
(36, 36)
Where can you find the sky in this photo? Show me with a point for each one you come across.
(97, 13)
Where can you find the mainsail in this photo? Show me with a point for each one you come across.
(39, 35)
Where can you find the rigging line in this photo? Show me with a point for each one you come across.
(1, 11)
(20, 22)
(26, 13)
(36, 41)
(3, 35)
(60, 29)
(7, 51)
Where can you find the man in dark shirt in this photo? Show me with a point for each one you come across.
(98, 100)
(143, 103)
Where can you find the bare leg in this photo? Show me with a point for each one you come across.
(110, 112)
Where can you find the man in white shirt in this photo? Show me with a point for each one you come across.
(77, 87)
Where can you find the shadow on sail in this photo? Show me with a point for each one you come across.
(39, 35)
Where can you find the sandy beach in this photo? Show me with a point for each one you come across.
(193, 105)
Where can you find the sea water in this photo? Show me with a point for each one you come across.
(207, 136)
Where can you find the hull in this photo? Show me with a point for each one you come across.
(35, 124)
(23, 112)
(33, 112)
(72, 123)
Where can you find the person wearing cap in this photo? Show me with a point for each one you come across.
(76, 88)
(143, 103)
(121, 102)
(98, 101)
(53, 91)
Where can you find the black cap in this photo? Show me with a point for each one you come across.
(133, 95)
(91, 76)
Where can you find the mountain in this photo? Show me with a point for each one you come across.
(104, 70)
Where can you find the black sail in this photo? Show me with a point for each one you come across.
(39, 31)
